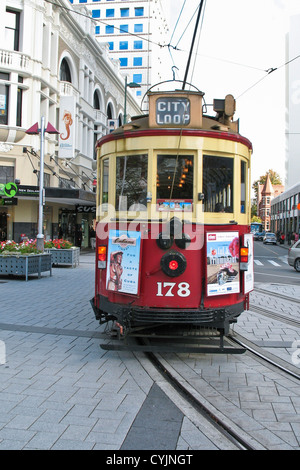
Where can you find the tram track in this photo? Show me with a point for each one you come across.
(237, 437)
(276, 316)
(276, 294)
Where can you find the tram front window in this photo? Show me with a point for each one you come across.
(175, 176)
(218, 184)
(131, 183)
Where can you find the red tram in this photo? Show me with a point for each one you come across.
(173, 242)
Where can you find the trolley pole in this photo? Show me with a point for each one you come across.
(192, 45)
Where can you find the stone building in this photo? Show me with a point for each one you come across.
(267, 192)
(52, 69)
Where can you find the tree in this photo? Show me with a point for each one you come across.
(274, 178)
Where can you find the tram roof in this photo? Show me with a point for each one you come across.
(219, 126)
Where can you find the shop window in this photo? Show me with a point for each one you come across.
(19, 107)
(4, 98)
(7, 174)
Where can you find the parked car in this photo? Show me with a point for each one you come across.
(258, 235)
(261, 236)
(294, 256)
(270, 238)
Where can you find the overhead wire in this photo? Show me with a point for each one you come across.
(268, 72)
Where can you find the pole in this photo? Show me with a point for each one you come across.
(192, 45)
(40, 235)
(125, 101)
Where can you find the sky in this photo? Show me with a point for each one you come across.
(239, 42)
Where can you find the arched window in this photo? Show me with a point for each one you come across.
(109, 112)
(96, 101)
(65, 72)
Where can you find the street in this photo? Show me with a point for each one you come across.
(271, 265)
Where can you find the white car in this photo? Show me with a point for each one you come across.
(294, 256)
(270, 238)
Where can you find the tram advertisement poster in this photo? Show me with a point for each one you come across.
(249, 274)
(123, 265)
(222, 250)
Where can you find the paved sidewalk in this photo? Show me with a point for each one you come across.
(60, 390)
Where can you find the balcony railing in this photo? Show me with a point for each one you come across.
(15, 61)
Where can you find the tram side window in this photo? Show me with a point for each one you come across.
(243, 187)
(175, 177)
(131, 183)
(105, 175)
(218, 184)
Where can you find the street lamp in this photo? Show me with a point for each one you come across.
(129, 85)
(34, 130)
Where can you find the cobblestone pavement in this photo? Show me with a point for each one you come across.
(60, 390)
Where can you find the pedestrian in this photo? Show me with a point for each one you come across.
(78, 237)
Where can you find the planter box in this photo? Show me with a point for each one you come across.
(68, 256)
(23, 265)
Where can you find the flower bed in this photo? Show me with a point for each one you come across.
(25, 264)
(65, 256)
(63, 252)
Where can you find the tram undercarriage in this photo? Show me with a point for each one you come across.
(152, 329)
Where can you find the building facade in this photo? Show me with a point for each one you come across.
(285, 212)
(136, 32)
(53, 70)
(292, 162)
(265, 194)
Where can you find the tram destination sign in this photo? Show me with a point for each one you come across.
(172, 111)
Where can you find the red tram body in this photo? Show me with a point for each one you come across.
(173, 242)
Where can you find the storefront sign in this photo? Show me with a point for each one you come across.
(123, 265)
(28, 191)
(86, 209)
(8, 189)
(13, 201)
(222, 250)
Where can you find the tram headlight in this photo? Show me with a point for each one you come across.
(173, 263)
